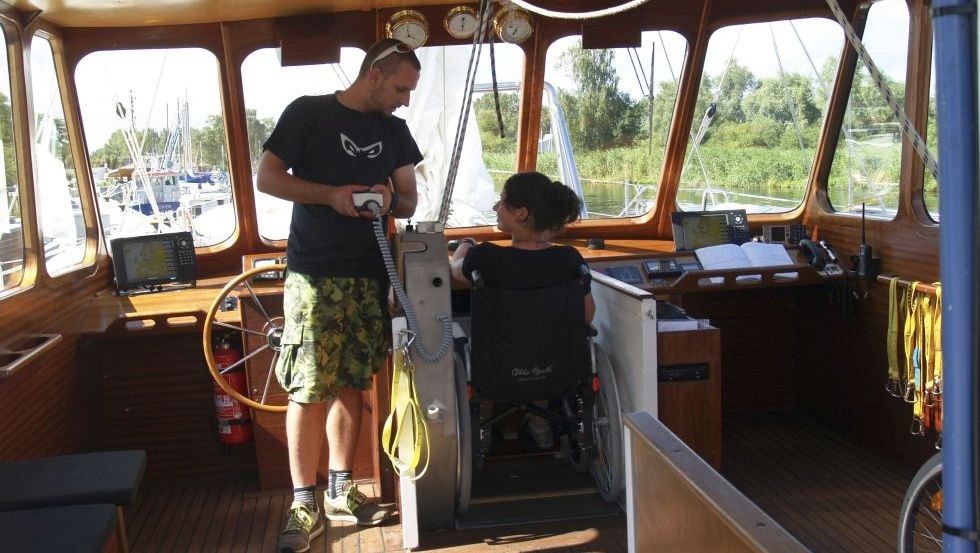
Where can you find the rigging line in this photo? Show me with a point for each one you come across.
(638, 71)
(728, 64)
(496, 90)
(156, 89)
(789, 100)
(813, 66)
(712, 111)
(847, 128)
(918, 144)
(653, 57)
(696, 149)
(462, 119)
(581, 15)
(461, 122)
(340, 74)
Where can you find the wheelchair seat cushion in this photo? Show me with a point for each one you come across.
(528, 344)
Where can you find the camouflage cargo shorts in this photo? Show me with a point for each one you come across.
(335, 336)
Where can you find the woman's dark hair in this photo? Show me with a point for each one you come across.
(551, 204)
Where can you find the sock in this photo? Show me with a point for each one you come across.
(338, 481)
(305, 495)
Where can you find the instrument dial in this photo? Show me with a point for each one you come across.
(408, 26)
(513, 25)
(460, 22)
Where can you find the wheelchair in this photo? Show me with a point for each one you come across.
(528, 345)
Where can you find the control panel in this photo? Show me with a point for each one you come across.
(657, 272)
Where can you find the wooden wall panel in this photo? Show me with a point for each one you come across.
(157, 396)
(758, 344)
(48, 406)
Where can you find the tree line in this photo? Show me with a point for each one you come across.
(780, 114)
(207, 143)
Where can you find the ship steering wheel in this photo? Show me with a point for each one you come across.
(239, 293)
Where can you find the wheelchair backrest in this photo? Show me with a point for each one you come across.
(528, 344)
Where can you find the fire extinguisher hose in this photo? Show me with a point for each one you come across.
(410, 442)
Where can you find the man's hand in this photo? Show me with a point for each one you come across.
(340, 198)
(386, 194)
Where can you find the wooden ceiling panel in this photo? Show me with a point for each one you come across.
(138, 13)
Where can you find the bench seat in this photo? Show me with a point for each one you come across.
(69, 529)
(101, 477)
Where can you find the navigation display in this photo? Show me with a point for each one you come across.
(145, 263)
(697, 229)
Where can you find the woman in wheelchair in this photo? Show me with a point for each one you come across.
(532, 209)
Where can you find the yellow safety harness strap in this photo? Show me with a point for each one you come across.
(404, 437)
(893, 386)
(911, 354)
(929, 351)
(935, 388)
(920, 362)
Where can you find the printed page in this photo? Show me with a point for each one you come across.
(769, 255)
(761, 254)
(722, 256)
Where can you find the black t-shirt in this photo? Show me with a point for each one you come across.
(523, 269)
(325, 142)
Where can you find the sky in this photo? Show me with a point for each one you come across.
(154, 80)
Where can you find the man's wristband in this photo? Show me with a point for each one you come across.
(394, 202)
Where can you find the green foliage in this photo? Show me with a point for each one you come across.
(486, 118)
(598, 114)
(9, 149)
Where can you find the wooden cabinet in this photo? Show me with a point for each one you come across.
(690, 404)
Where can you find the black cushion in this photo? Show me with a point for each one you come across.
(71, 529)
(101, 477)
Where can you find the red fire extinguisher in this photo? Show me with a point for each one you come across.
(234, 419)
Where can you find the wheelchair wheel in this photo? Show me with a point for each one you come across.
(607, 467)
(920, 523)
(464, 438)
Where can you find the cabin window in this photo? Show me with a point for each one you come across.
(59, 207)
(866, 170)
(489, 153)
(930, 189)
(268, 89)
(156, 137)
(605, 118)
(11, 234)
(760, 110)
(487, 159)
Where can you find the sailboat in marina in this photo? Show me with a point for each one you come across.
(163, 192)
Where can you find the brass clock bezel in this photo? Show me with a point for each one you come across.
(509, 14)
(460, 10)
(403, 17)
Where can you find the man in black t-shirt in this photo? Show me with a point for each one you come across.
(335, 333)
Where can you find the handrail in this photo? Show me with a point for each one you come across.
(919, 286)
(763, 277)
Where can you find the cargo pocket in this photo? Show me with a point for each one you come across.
(290, 368)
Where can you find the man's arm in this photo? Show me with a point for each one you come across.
(273, 179)
(403, 184)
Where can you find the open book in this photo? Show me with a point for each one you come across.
(749, 254)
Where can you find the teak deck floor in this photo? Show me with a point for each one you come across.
(829, 493)
(832, 495)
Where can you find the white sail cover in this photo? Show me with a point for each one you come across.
(432, 117)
